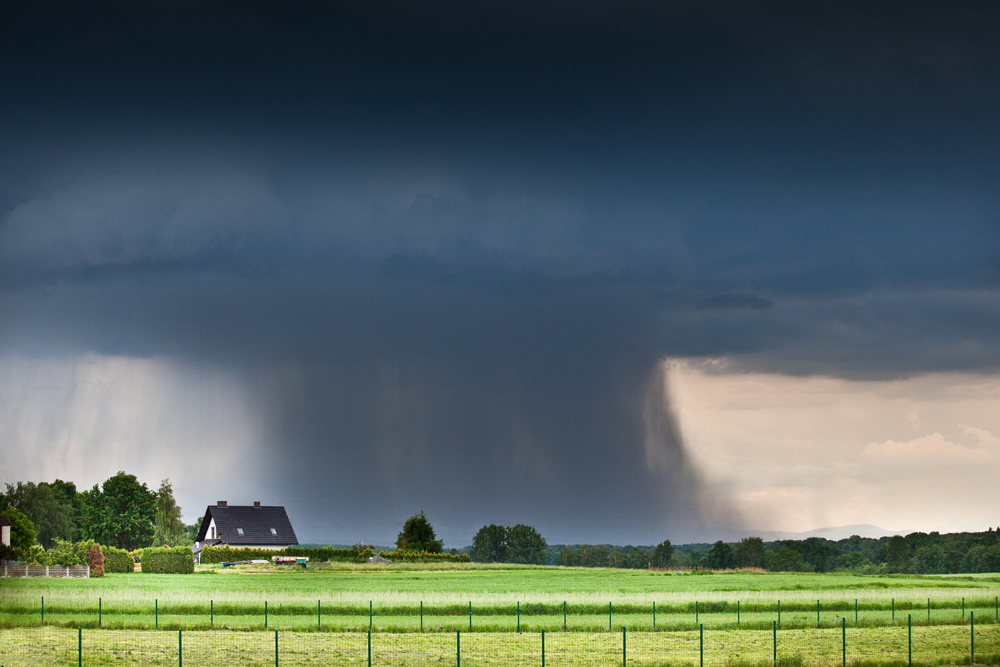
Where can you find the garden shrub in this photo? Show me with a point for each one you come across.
(164, 560)
(228, 554)
(96, 561)
(117, 560)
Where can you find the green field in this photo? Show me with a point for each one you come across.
(737, 612)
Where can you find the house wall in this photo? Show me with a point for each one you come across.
(211, 528)
(5, 535)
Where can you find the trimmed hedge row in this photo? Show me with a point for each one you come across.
(117, 560)
(330, 555)
(325, 555)
(227, 554)
(163, 560)
(423, 557)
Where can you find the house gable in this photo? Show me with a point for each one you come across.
(247, 525)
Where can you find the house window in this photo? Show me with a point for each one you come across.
(239, 530)
(274, 532)
(213, 532)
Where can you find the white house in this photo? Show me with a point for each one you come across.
(254, 526)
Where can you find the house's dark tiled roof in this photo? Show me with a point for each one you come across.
(256, 523)
(4, 521)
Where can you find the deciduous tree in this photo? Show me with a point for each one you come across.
(525, 545)
(169, 527)
(490, 544)
(121, 513)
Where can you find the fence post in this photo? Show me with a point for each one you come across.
(543, 647)
(211, 612)
(894, 610)
(265, 614)
(654, 614)
(180, 649)
(79, 647)
(843, 640)
(609, 617)
(458, 648)
(369, 614)
(972, 637)
(156, 612)
(817, 614)
(928, 611)
(43, 609)
(855, 611)
(275, 648)
(99, 613)
(909, 639)
(470, 615)
(319, 616)
(737, 612)
(774, 629)
(369, 647)
(519, 616)
(564, 616)
(701, 645)
(624, 644)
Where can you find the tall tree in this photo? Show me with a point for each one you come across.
(490, 544)
(525, 545)
(897, 558)
(750, 552)
(418, 535)
(47, 510)
(121, 513)
(22, 531)
(662, 554)
(169, 529)
(720, 556)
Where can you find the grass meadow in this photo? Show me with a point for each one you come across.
(213, 599)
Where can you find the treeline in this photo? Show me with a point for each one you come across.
(121, 513)
(916, 553)
(605, 555)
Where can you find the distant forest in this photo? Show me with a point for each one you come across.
(916, 553)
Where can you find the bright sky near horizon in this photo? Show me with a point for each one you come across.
(800, 453)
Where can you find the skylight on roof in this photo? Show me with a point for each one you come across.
(274, 532)
(239, 530)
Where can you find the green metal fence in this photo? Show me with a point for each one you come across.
(901, 645)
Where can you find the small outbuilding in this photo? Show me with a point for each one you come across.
(4, 531)
(244, 526)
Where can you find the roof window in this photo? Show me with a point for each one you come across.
(274, 532)
(239, 530)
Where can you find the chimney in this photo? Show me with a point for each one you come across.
(221, 503)
(256, 504)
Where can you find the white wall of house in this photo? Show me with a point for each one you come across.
(211, 533)
(5, 535)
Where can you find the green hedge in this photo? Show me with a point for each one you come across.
(228, 554)
(117, 560)
(325, 555)
(423, 557)
(161, 560)
(330, 555)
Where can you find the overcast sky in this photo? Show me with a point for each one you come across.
(623, 271)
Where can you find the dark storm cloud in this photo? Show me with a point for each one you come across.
(445, 244)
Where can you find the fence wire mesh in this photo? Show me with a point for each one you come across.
(799, 647)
